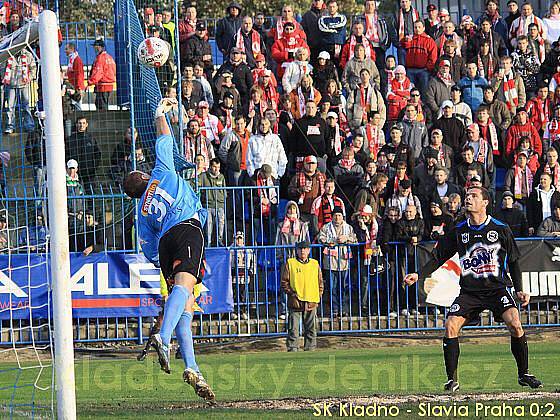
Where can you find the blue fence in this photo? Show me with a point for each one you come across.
(360, 297)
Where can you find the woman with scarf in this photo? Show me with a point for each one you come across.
(338, 102)
(300, 95)
(291, 229)
(552, 21)
(366, 224)
(519, 179)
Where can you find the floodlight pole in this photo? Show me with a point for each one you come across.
(58, 218)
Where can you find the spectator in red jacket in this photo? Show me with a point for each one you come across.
(398, 94)
(277, 30)
(187, 27)
(357, 37)
(284, 49)
(520, 128)
(103, 75)
(421, 56)
(75, 71)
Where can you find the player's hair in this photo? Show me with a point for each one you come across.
(135, 183)
(484, 192)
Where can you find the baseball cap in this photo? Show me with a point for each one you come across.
(366, 210)
(445, 63)
(201, 25)
(447, 104)
(431, 7)
(400, 69)
(227, 73)
(236, 50)
(325, 55)
(443, 12)
(239, 234)
(332, 115)
(72, 163)
(466, 19)
(228, 94)
(99, 43)
(310, 159)
(260, 57)
(476, 178)
(455, 88)
(291, 24)
(523, 153)
(520, 110)
(396, 126)
(203, 104)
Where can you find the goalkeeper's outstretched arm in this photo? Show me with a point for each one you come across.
(165, 105)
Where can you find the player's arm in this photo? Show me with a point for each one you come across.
(444, 249)
(165, 105)
(514, 267)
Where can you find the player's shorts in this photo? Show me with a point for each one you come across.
(181, 249)
(469, 305)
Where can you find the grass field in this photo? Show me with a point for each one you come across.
(250, 385)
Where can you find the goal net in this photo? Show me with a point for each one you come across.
(26, 374)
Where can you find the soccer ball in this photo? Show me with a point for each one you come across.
(153, 52)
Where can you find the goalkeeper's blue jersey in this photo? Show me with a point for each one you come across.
(168, 201)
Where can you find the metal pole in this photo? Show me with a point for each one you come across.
(58, 218)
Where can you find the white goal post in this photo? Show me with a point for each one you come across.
(58, 217)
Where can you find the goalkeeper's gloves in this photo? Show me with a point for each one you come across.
(164, 106)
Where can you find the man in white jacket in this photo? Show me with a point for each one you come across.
(266, 147)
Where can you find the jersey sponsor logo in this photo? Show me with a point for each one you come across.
(150, 192)
(465, 237)
(492, 236)
(454, 308)
(481, 260)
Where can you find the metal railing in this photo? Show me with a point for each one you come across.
(361, 298)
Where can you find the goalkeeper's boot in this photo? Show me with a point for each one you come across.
(451, 386)
(529, 380)
(197, 381)
(162, 352)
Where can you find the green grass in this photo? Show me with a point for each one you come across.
(127, 389)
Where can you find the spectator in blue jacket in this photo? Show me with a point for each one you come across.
(333, 30)
(472, 86)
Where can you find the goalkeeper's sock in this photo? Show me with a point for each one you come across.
(184, 337)
(174, 308)
(451, 355)
(520, 351)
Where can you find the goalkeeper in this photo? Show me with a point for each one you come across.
(170, 221)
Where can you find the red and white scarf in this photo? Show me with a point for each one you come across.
(446, 78)
(337, 140)
(347, 164)
(71, 59)
(302, 99)
(523, 23)
(365, 42)
(488, 132)
(415, 17)
(396, 183)
(510, 92)
(292, 226)
(255, 42)
(365, 100)
(541, 53)
(553, 130)
(304, 180)
(279, 27)
(24, 69)
(458, 42)
(481, 71)
(196, 146)
(269, 193)
(371, 28)
(555, 174)
(482, 151)
(375, 142)
(253, 107)
(228, 113)
(520, 178)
